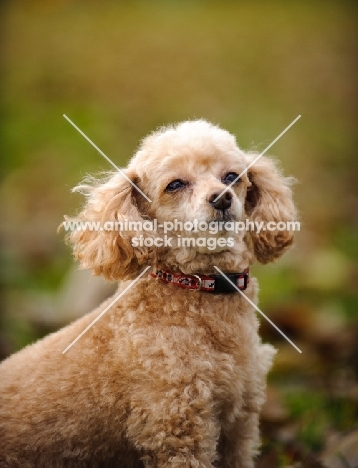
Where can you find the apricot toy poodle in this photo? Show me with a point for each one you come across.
(173, 375)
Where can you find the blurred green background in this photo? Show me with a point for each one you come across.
(119, 69)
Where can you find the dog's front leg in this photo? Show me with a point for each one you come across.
(174, 428)
(239, 446)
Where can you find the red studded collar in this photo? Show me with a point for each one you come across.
(208, 283)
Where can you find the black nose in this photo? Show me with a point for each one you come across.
(222, 203)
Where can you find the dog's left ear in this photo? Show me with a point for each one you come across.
(269, 199)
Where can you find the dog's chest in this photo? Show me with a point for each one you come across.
(179, 344)
(183, 340)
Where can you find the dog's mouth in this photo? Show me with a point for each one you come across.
(224, 215)
(221, 217)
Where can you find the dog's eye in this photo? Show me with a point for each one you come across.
(231, 177)
(175, 185)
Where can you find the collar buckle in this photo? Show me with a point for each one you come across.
(200, 282)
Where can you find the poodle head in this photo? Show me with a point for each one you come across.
(181, 177)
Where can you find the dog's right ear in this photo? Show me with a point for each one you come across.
(108, 252)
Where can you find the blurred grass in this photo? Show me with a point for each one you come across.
(120, 69)
(318, 413)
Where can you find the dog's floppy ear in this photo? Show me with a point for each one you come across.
(269, 199)
(109, 252)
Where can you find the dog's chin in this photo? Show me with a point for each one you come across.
(212, 249)
(229, 254)
(202, 261)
